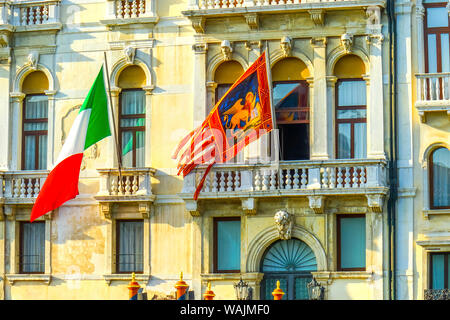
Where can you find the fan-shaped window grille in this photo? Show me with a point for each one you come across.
(289, 256)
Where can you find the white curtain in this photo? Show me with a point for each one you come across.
(131, 246)
(33, 247)
(36, 107)
(441, 177)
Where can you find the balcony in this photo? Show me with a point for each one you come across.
(130, 12)
(312, 179)
(21, 187)
(134, 187)
(35, 15)
(433, 93)
(199, 10)
(437, 294)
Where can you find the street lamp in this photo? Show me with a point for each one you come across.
(243, 291)
(315, 290)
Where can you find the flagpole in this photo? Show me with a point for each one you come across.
(274, 119)
(119, 160)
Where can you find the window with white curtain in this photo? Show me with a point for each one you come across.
(440, 178)
(132, 127)
(129, 247)
(34, 135)
(32, 247)
(351, 121)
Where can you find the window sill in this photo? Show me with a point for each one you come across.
(126, 277)
(437, 212)
(235, 276)
(12, 278)
(330, 276)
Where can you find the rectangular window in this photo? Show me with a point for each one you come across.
(439, 271)
(32, 247)
(34, 134)
(351, 141)
(227, 245)
(290, 99)
(132, 128)
(129, 246)
(437, 42)
(351, 242)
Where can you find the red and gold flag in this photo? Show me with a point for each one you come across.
(240, 117)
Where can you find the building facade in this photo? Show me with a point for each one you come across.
(308, 200)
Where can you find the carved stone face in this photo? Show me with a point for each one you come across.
(283, 220)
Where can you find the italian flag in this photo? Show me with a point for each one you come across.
(91, 125)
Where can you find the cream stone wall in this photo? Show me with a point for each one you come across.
(178, 63)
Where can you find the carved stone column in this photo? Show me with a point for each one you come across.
(51, 127)
(375, 101)
(15, 131)
(331, 89)
(112, 160)
(318, 109)
(148, 123)
(199, 98)
(6, 119)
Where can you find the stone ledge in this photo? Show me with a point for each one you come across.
(126, 277)
(330, 276)
(435, 212)
(12, 278)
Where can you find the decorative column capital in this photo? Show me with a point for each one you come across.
(252, 20)
(366, 77)
(17, 96)
(331, 81)
(148, 89)
(319, 42)
(310, 81)
(115, 91)
(200, 48)
(211, 86)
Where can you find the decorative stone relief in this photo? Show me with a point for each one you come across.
(286, 46)
(144, 209)
(252, 21)
(347, 42)
(105, 210)
(192, 207)
(200, 48)
(4, 41)
(284, 221)
(249, 206)
(375, 202)
(317, 16)
(130, 53)
(10, 212)
(33, 59)
(198, 23)
(226, 49)
(316, 203)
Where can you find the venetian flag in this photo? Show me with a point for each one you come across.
(90, 126)
(240, 117)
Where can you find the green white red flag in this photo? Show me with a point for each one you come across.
(90, 126)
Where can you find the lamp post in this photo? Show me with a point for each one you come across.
(315, 290)
(243, 291)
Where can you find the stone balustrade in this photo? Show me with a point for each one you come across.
(21, 186)
(433, 93)
(134, 184)
(221, 4)
(32, 13)
(123, 12)
(299, 177)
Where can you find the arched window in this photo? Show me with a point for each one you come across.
(351, 105)
(35, 121)
(132, 116)
(440, 178)
(226, 74)
(291, 104)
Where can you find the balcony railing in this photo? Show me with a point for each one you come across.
(221, 4)
(290, 178)
(21, 186)
(134, 184)
(437, 294)
(40, 14)
(122, 12)
(433, 93)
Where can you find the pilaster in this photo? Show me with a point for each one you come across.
(199, 88)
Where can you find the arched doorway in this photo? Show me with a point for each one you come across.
(291, 262)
